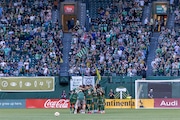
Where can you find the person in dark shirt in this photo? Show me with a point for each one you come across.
(70, 24)
(143, 72)
(63, 95)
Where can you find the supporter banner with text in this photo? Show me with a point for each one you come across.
(47, 103)
(88, 80)
(75, 82)
(26, 84)
(12, 103)
(167, 103)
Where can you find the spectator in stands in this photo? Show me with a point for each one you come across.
(71, 24)
(177, 16)
(143, 72)
(156, 25)
(146, 21)
(55, 4)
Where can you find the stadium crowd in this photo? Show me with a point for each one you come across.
(177, 16)
(117, 43)
(30, 44)
(167, 61)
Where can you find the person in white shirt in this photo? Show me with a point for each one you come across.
(3, 64)
(32, 18)
(26, 66)
(146, 21)
(1, 74)
(141, 3)
(45, 70)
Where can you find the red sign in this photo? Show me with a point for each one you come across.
(69, 9)
(47, 103)
(167, 103)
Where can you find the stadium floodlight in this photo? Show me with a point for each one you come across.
(157, 94)
(121, 90)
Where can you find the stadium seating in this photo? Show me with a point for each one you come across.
(167, 61)
(167, 58)
(30, 43)
(94, 5)
(117, 43)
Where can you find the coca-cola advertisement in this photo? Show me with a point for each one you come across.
(47, 103)
(167, 103)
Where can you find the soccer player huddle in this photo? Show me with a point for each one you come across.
(87, 99)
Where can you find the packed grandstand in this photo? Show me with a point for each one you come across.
(116, 41)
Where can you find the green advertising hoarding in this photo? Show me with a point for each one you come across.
(26, 84)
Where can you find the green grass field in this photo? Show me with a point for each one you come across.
(111, 114)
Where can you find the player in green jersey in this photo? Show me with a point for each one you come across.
(101, 102)
(89, 98)
(73, 99)
(95, 101)
(80, 102)
(101, 98)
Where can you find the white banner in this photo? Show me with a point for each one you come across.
(88, 80)
(75, 82)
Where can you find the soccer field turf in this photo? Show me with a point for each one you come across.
(111, 114)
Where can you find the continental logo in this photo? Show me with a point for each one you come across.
(119, 103)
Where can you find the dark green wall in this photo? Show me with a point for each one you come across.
(107, 82)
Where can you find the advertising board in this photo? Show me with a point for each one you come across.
(69, 9)
(167, 103)
(128, 103)
(145, 103)
(12, 103)
(26, 84)
(161, 9)
(119, 103)
(47, 103)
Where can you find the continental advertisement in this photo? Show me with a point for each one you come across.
(119, 103)
(128, 103)
(145, 103)
(26, 84)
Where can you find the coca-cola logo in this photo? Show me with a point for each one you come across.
(62, 103)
